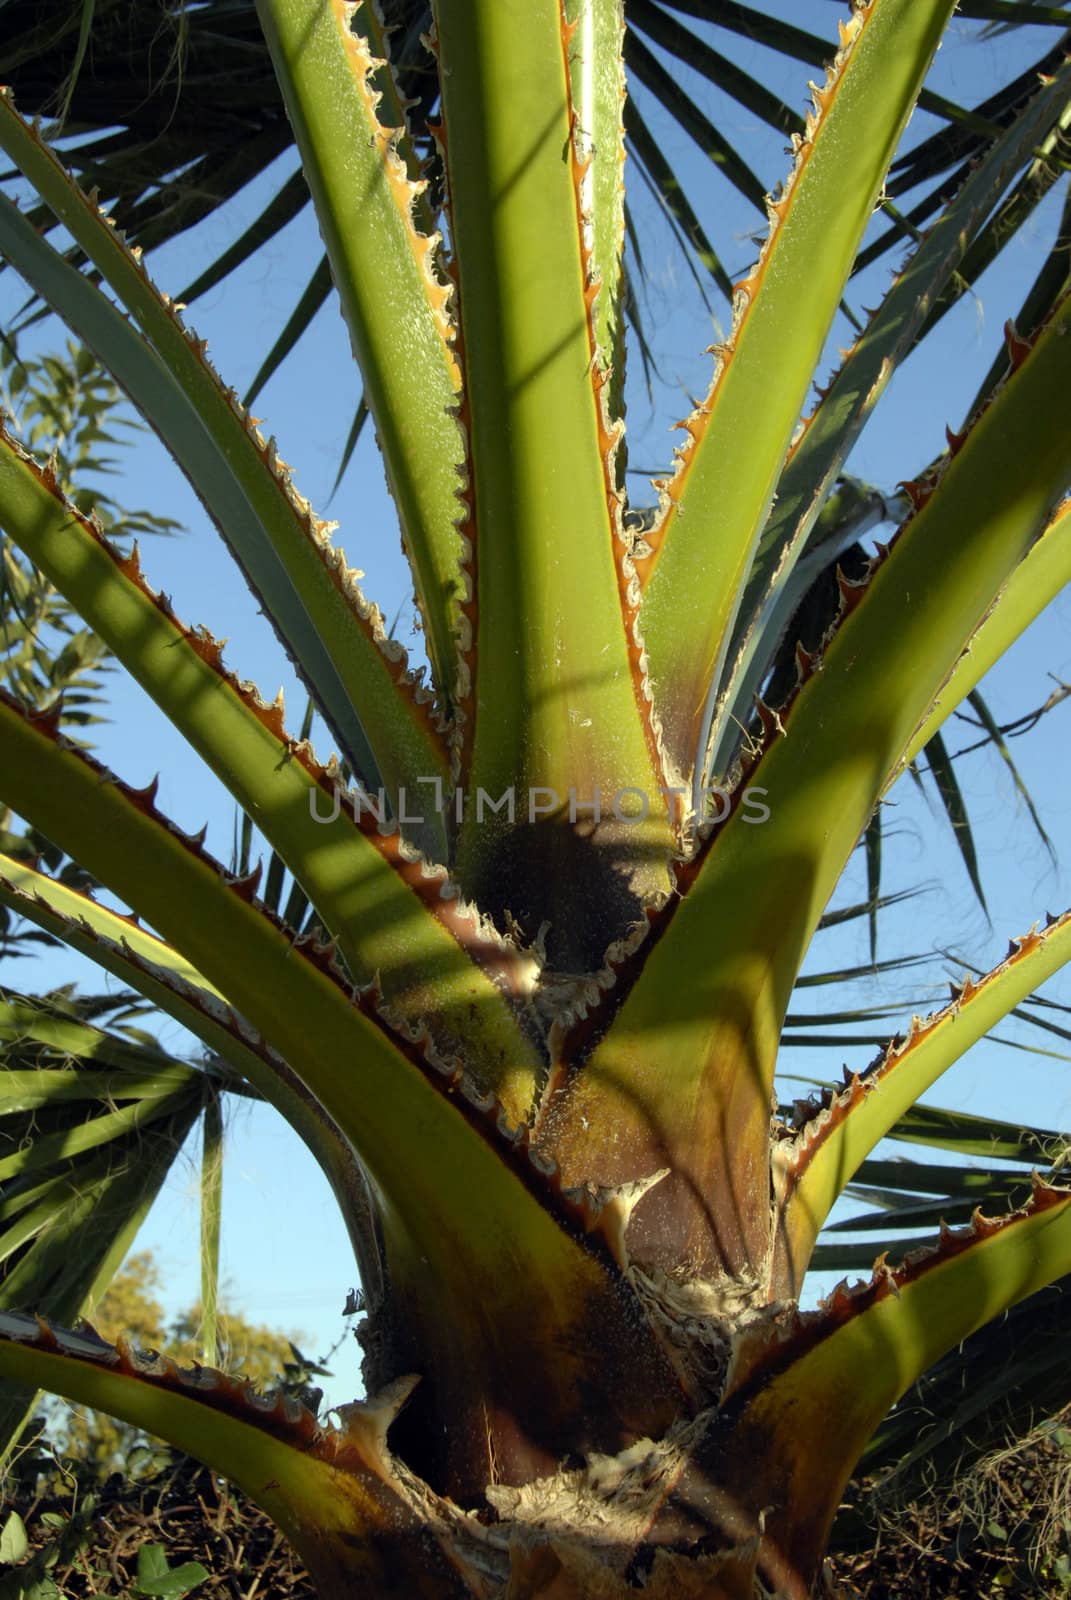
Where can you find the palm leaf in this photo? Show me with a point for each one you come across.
(90, 1124)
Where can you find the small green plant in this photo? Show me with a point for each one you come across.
(155, 1577)
(73, 1535)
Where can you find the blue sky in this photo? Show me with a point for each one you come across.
(286, 1258)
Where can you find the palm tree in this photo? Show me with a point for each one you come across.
(562, 897)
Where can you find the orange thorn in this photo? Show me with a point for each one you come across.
(1018, 347)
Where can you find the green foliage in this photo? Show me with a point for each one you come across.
(155, 1577)
(30, 1574)
(69, 1536)
(89, 1546)
(71, 409)
(13, 1541)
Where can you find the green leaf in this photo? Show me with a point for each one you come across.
(787, 1387)
(951, 797)
(1048, 287)
(384, 261)
(1038, 578)
(312, 298)
(812, 1168)
(13, 1541)
(156, 970)
(62, 1238)
(387, 913)
(152, 1562)
(821, 452)
(328, 1492)
(872, 844)
(694, 51)
(546, 515)
(304, 584)
(287, 203)
(711, 516)
(663, 181)
(645, 67)
(360, 417)
(211, 1218)
(178, 1582)
(597, 91)
(989, 723)
(155, 1577)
